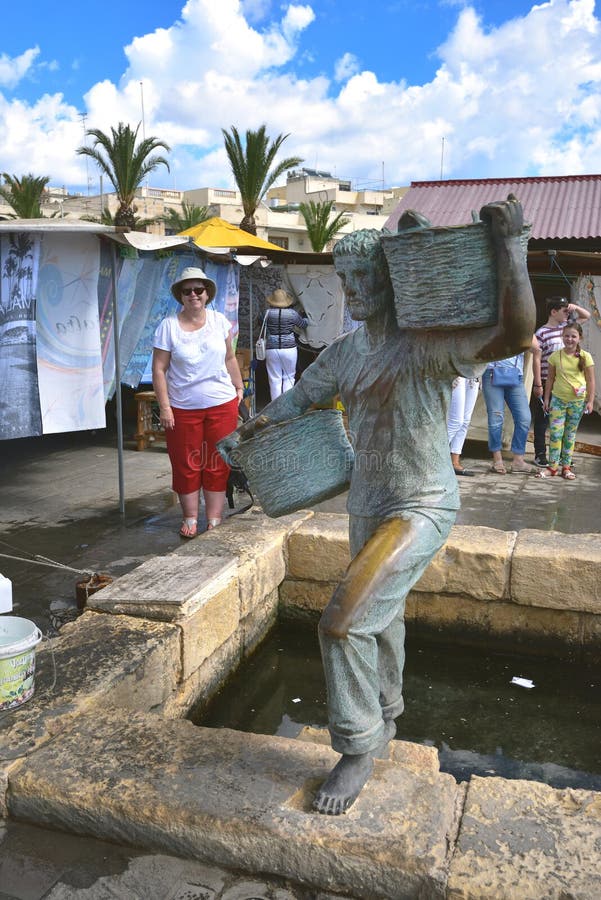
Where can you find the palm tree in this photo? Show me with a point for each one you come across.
(251, 167)
(125, 165)
(190, 216)
(24, 195)
(320, 231)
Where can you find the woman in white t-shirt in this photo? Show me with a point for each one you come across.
(198, 385)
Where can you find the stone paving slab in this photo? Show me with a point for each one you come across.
(576, 559)
(521, 840)
(36, 864)
(166, 587)
(168, 878)
(77, 670)
(241, 801)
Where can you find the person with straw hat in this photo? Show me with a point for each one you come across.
(198, 385)
(281, 352)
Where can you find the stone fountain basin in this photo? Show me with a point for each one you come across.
(104, 749)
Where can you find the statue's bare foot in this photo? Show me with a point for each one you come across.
(345, 782)
(343, 785)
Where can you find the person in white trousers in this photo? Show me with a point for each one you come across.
(281, 350)
(463, 400)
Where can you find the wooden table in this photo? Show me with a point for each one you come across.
(148, 428)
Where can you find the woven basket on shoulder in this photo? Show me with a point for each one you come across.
(444, 277)
(292, 465)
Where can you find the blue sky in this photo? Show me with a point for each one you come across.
(366, 89)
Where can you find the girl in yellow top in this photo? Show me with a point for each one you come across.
(569, 392)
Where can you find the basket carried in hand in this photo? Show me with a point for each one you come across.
(294, 464)
(444, 277)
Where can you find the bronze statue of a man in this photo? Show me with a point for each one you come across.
(395, 384)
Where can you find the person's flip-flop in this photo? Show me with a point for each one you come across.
(463, 472)
(188, 528)
(213, 523)
(547, 473)
(524, 470)
(498, 469)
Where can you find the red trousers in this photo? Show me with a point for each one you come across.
(195, 460)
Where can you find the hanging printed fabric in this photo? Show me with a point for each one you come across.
(108, 258)
(19, 401)
(126, 288)
(227, 279)
(68, 335)
(153, 301)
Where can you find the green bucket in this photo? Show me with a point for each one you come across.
(18, 640)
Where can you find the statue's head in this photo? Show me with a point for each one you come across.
(362, 268)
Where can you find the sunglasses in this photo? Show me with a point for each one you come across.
(198, 291)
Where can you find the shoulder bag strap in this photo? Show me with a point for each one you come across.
(495, 363)
(263, 326)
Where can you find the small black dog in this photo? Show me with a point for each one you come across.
(238, 480)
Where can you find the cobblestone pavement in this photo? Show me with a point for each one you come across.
(36, 864)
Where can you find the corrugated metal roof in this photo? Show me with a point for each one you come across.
(561, 207)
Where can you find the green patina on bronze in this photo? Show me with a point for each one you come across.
(395, 382)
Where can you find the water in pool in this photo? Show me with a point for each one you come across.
(460, 700)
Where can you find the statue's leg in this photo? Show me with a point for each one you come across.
(362, 641)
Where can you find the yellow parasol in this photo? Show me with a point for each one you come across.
(217, 233)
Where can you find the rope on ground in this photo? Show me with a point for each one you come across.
(53, 565)
(37, 559)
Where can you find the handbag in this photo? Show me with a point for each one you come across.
(579, 390)
(506, 376)
(260, 345)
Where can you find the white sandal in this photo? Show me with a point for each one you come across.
(188, 528)
(213, 523)
(547, 472)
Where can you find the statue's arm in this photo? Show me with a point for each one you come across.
(317, 384)
(513, 331)
(287, 406)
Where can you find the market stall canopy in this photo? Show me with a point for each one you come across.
(138, 239)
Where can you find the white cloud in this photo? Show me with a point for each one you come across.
(346, 67)
(42, 139)
(296, 19)
(255, 10)
(13, 69)
(516, 99)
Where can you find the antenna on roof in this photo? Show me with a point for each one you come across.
(84, 117)
(144, 138)
(441, 158)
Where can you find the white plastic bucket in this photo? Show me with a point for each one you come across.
(18, 640)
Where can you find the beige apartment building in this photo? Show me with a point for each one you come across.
(278, 218)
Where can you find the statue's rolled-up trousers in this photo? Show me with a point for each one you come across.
(364, 669)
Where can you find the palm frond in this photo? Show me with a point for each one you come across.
(125, 163)
(251, 164)
(320, 230)
(24, 194)
(190, 216)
